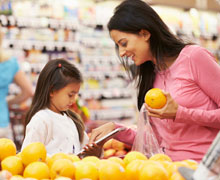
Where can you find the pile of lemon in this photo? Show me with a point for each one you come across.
(33, 163)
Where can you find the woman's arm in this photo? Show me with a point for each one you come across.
(126, 136)
(206, 74)
(26, 88)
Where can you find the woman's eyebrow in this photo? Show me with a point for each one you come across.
(120, 40)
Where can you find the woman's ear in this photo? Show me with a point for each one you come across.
(51, 94)
(145, 34)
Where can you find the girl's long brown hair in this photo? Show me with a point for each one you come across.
(53, 78)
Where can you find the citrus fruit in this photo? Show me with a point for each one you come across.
(63, 178)
(74, 157)
(117, 160)
(160, 157)
(16, 177)
(60, 155)
(92, 159)
(7, 148)
(33, 152)
(132, 155)
(191, 164)
(18, 155)
(168, 166)
(13, 164)
(132, 169)
(117, 145)
(86, 170)
(176, 176)
(108, 144)
(62, 167)
(37, 170)
(152, 170)
(4, 174)
(155, 98)
(109, 170)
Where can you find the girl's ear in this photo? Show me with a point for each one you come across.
(51, 91)
(145, 34)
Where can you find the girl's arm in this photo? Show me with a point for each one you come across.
(36, 131)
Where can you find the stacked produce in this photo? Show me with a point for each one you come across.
(115, 148)
(33, 163)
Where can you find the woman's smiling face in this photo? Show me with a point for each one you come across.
(135, 46)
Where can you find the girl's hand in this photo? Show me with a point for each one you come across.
(101, 131)
(166, 112)
(92, 150)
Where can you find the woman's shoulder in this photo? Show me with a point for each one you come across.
(191, 50)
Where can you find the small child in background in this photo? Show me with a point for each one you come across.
(49, 119)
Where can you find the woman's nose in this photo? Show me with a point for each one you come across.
(122, 52)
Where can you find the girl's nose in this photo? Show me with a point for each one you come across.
(73, 99)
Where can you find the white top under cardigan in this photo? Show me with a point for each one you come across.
(56, 131)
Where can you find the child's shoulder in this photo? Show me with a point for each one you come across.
(42, 114)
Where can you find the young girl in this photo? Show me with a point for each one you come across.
(49, 119)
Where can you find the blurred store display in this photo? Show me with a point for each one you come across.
(76, 30)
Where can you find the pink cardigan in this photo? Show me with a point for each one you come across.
(193, 80)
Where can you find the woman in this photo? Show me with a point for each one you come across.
(190, 120)
(10, 72)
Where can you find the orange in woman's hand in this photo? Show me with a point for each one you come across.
(155, 98)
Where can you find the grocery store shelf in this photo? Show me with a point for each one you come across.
(108, 93)
(112, 114)
(211, 5)
(40, 45)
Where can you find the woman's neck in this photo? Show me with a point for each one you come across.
(170, 60)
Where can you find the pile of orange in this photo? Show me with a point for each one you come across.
(34, 163)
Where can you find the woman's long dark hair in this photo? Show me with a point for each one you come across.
(132, 16)
(54, 77)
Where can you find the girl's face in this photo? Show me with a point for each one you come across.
(62, 99)
(135, 46)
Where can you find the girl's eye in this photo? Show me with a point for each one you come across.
(70, 95)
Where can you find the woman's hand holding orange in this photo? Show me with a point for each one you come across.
(168, 111)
